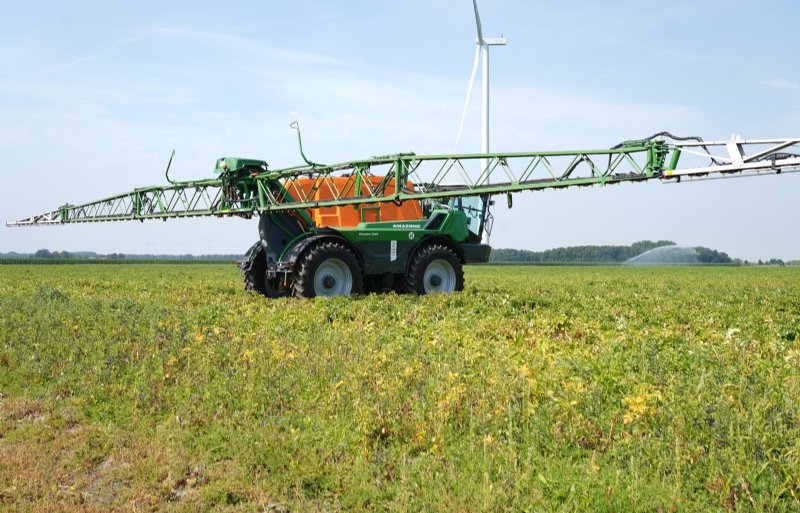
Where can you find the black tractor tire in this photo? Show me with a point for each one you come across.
(442, 267)
(255, 280)
(326, 270)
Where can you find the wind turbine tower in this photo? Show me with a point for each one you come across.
(483, 47)
(481, 56)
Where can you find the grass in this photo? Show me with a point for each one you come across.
(158, 387)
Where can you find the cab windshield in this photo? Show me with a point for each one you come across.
(473, 207)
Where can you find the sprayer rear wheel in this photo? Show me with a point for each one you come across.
(255, 280)
(255, 277)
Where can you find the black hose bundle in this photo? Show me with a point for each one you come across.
(678, 138)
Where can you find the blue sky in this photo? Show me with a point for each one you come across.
(95, 94)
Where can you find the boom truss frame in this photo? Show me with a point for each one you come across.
(247, 191)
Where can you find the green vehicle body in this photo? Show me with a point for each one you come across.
(384, 249)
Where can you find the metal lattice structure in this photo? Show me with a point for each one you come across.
(249, 190)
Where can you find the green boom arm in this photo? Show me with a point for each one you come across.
(247, 189)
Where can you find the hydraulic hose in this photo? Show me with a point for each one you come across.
(677, 138)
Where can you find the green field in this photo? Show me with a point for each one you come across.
(158, 387)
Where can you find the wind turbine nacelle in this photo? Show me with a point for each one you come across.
(495, 41)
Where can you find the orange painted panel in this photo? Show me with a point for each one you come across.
(319, 189)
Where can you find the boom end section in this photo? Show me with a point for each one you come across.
(46, 219)
(737, 157)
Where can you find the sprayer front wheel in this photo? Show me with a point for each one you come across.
(328, 269)
(435, 268)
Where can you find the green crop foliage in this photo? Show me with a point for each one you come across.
(159, 387)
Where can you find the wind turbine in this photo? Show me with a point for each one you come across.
(481, 54)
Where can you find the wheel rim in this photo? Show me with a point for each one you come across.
(439, 277)
(333, 278)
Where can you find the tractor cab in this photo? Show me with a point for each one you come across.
(476, 209)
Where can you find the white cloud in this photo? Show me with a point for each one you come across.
(780, 83)
(116, 45)
(556, 118)
(242, 47)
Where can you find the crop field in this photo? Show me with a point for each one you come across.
(168, 388)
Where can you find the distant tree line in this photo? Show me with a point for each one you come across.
(64, 255)
(574, 254)
(579, 254)
(777, 261)
(46, 254)
(710, 256)
(607, 254)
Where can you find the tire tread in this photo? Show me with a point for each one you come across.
(304, 277)
(422, 258)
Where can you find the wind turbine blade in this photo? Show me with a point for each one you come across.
(478, 21)
(469, 94)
